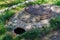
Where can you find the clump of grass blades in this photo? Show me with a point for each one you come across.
(6, 37)
(6, 15)
(12, 3)
(57, 3)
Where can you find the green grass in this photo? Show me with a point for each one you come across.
(34, 34)
(11, 3)
(7, 37)
(4, 17)
(56, 2)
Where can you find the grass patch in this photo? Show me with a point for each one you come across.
(11, 3)
(6, 16)
(34, 34)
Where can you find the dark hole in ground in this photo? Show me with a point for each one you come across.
(19, 30)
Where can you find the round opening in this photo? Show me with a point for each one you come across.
(19, 30)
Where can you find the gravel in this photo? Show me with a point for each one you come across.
(32, 16)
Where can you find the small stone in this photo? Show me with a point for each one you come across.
(19, 4)
(45, 22)
(28, 27)
(6, 8)
(30, 0)
(33, 20)
(9, 23)
(2, 10)
(14, 6)
(27, 1)
(15, 21)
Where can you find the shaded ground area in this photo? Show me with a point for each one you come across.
(54, 35)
